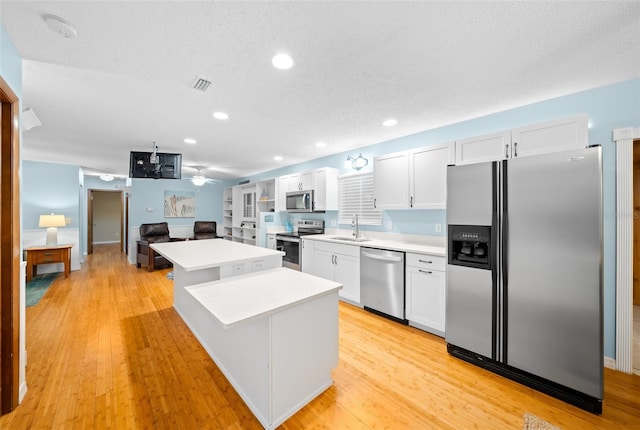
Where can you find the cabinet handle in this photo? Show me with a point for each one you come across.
(515, 149)
(48, 253)
(411, 201)
(426, 261)
(506, 151)
(47, 260)
(374, 203)
(429, 272)
(336, 263)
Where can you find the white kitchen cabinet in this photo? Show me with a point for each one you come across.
(550, 136)
(413, 179)
(306, 263)
(488, 147)
(325, 189)
(391, 179)
(426, 292)
(340, 263)
(428, 176)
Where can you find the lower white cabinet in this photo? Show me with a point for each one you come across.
(426, 292)
(306, 259)
(340, 263)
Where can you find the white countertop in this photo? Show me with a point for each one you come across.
(203, 254)
(252, 296)
(383, 244)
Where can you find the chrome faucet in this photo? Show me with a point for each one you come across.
(356, 228)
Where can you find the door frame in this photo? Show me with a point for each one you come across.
(623, 138)
(10, 248)
(90, 192)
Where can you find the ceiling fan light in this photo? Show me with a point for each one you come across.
(107, 178)
(198, 180)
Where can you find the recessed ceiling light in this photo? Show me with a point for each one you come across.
(390, 122)
(320, 144)
(220, 115)
(282, 62)
(277, 158)
(190, 141)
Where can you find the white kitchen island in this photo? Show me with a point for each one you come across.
(198, 261)
(274, 335)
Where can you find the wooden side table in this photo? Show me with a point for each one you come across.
(48, 255)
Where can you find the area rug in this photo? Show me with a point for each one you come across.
(532, 422)
(37, 287)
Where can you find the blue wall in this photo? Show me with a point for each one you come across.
(10, 63)
(47, 188)
(149, 194)
(609, 107)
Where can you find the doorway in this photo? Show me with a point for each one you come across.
(9, 249)
(104, 218)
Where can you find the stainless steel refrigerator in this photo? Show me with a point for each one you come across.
(524, 272)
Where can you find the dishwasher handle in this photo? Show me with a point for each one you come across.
(382, 257)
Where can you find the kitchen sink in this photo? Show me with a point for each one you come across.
(349, 238)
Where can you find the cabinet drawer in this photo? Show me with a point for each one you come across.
(49, 256)
(425, 261)
(337, 248)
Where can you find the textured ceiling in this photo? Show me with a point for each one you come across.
(124, 82)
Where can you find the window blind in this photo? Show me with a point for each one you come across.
(355, 196)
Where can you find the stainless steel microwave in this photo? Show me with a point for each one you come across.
(300, 201)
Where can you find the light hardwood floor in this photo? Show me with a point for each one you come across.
(107, 351)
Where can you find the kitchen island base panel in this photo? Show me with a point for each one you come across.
(183, 278)
(278, 363)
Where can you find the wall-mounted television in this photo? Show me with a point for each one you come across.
(165, 165)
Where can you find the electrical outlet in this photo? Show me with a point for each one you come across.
(438, 228)
(389, 225)
(334, 223)
(150, 209)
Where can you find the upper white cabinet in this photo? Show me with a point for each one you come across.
(488, 147)
(428, 176)
(413, 179)
(551, 136)
(323, 182)
(545, 137)
(391, 179)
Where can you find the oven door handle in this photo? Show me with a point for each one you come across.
(288, 239)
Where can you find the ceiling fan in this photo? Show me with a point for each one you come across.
(198, 178)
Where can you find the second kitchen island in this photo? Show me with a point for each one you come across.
(198, 261)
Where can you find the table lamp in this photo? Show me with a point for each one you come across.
(52, 222)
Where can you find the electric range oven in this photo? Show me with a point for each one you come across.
(289, 242)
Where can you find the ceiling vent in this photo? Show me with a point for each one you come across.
(200, 84)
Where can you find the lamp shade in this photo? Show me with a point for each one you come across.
(52, 221)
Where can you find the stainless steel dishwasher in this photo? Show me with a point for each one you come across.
(382, 282)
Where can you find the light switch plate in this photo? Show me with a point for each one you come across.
(333, 223)
(389, 225)
(438, 228)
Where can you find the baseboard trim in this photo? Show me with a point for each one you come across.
(610, 362)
